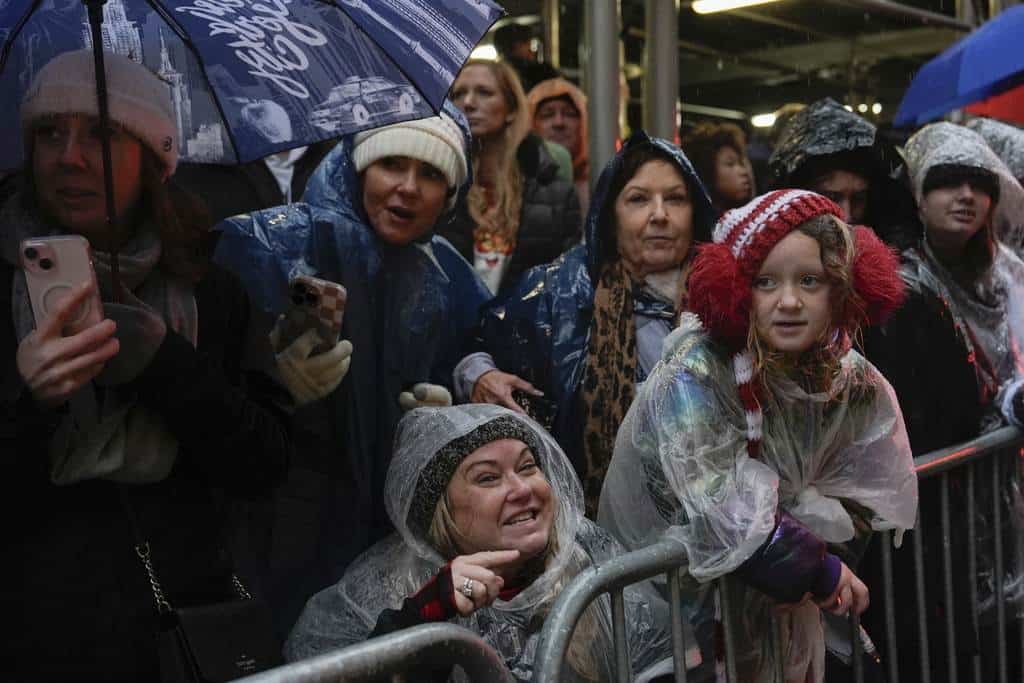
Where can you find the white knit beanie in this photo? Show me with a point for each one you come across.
(437, 141)
(138, 100)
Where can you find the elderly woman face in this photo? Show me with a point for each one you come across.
(500, 500)
(67, 170)
(654, 219)
(403, 198)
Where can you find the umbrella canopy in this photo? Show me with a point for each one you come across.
(1009, 106)
(248, 79)
(986, 62)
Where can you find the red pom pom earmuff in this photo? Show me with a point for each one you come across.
(876, 276)
(720, 294)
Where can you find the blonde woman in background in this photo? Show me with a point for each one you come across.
(519, 212)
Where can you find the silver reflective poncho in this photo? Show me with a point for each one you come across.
(947, 143)
(681, 469)
(398, 566)
(1005, 140)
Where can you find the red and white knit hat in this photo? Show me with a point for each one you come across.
(723, 272)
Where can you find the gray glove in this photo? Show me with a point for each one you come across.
(425, 395)
(140, 333)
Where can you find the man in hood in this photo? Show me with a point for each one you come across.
(832, 151)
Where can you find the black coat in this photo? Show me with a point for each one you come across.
(74, 593)
(231, 190)
(549, 221)
(924, 355)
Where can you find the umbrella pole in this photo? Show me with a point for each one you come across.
(95, 9)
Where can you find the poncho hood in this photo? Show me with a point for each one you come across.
(1005, 140)
(559, 87)
(600, 223)
(822, 129)
(949, 144)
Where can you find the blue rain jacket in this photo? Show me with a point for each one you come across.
(412, 313)
(541, 329)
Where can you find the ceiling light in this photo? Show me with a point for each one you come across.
(763, 120)
(876, 108)
(862, 108)
(710, 6)
(847, 107)
(488, 52)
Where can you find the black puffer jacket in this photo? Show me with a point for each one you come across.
(72, 587)
(549, 222)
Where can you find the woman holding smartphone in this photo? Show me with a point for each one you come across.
(124, 430)
(368, 222)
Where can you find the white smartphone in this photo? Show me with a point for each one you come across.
(54, 267)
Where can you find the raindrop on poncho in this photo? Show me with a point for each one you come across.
(681, 470)
(398, 566)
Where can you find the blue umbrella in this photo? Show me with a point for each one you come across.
(987, 62)
(249, 78)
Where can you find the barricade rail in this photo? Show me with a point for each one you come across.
(669, 558)
(408, 652)
(395, 657)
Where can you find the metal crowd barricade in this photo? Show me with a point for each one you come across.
(669, 558)
(399, 656)
(979, 458)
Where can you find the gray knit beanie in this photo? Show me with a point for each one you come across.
(435, 476)
(138, 100)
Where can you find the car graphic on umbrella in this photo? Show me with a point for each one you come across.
(359, 101)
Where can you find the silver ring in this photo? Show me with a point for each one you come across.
(467, 588)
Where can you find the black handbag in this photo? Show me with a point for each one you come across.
(209, 643)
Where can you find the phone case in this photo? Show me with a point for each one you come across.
(54, 267)
(316, 304)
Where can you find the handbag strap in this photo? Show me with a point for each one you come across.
(142, 550)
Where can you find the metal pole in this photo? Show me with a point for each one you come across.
(922, 607)
(601, 60)
(997, 528)
(407, 653)
(947, 575)
(972, 568)
(550, 18)
(965, 12)
(892, 652)
(678, 639)
(725, 601)
(623, 671)
(661, 68)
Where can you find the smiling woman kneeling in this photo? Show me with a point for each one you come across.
(490, 530)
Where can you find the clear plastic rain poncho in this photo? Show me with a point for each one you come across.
(990, 315)
(1005, 140)
(681, 470)
(949, 144)
(398, 566)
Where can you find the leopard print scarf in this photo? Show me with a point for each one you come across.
(609, 381)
